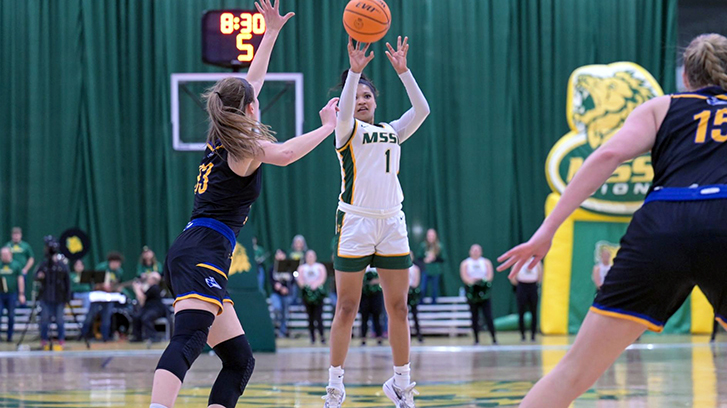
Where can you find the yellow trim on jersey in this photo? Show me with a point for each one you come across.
(338, 244)
(648, 324)
(350, 138)
(694, 96)
(202, 298)
(393, 255)
(212, 268)
(209, 146)
(353, 184)
(721, 322)
(228, 301)
(340, 232)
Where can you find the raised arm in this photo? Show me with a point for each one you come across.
(358, 60)
(414, 117)
(283, 154)
(273, 23)
(636, 137)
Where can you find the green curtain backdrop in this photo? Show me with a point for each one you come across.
(86, 134)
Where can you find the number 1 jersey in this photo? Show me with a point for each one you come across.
(370, 167)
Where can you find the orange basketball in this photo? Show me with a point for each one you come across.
(367, 20)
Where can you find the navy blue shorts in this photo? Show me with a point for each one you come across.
(669, 248)
(197, 265)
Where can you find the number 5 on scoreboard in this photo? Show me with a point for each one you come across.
(248, 51)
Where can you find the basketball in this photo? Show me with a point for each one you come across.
(367, 20)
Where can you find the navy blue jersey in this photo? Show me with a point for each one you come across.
(690, 146)
(221, 194)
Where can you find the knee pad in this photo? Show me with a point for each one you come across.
(237, 366)
(191, 328)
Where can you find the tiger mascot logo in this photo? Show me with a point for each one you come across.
(600, 98)
(601, 104)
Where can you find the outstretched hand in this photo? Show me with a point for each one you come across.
(271, 13)
(328, 113)
(527, 254)
(357, 56)
(398, 57)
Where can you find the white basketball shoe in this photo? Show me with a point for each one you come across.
(402, 398)
(334, 397)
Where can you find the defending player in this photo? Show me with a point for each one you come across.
(370, 226)
(675, 241)
(229, 181)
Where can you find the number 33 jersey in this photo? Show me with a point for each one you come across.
(221, 194)
(370, 167)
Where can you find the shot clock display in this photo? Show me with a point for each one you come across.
(230, 37)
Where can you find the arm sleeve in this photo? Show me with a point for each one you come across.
(346, 105)
(414, 117)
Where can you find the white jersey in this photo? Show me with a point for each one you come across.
(311, 273)
(603, 271)
(476, 269)
(527, 275)
(369, 169)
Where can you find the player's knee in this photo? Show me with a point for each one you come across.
(191, 328)
(237, 367)
(347, 309)
(397, 309)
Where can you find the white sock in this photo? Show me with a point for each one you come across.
(402, 375)
(157, 406)
(335, 377)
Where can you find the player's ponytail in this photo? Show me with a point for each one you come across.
(705, 61)
(230, 126)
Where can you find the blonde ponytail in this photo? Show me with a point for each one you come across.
(229, 125)
(705, 61)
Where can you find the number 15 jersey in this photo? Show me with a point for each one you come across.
(370, 167)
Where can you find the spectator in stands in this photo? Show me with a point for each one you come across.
(431, 253)
(526, 282)
(22, 252)
(477, 274)
(297, 253)
(80, 290)
(149, 295)
(415, 295)
(298, 248)
(12, 287)
(372, 304)
(114, 273)
(147, 263)
(602, 267)
(54, 292)
(260, 256)
(312, 279)
(282, 296)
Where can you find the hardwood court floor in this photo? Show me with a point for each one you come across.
(660, 371)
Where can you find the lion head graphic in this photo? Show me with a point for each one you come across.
(601, 104)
